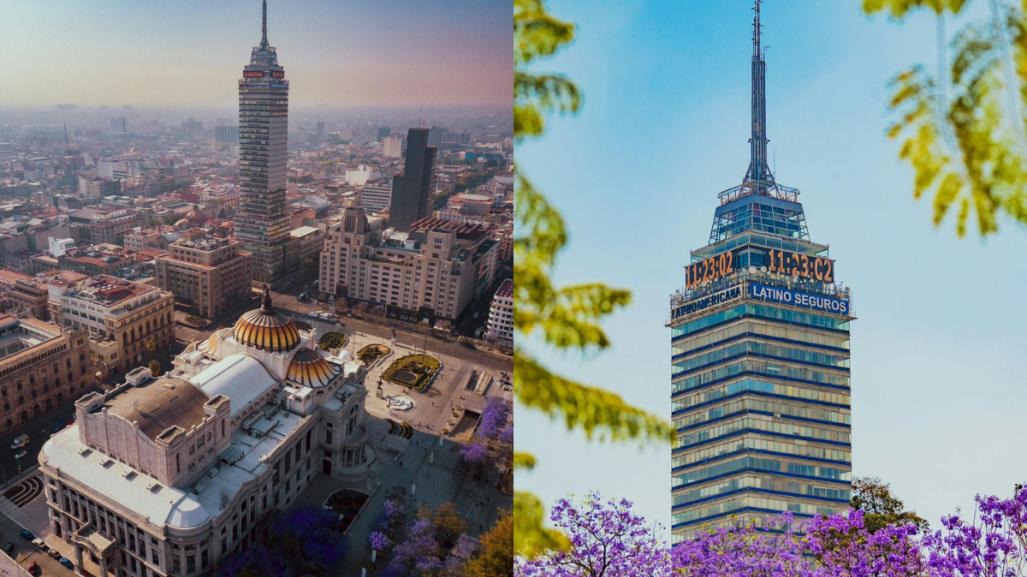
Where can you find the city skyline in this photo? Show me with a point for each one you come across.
(403, 54)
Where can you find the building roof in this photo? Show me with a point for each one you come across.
(182, 508)
(506, 289)
(166, 402)
(265, 329)
(240, 378)
(310, 369)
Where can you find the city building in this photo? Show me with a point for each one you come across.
(261, 222)
(434, 270)
(127, 321)
(103, 224)
(23, 295)
(170, 475)
(412, 189)
(376, 196)
(500, 324)
(208, 275)
(392, 147)
(226, 135)
(41, 368)
(760, 359)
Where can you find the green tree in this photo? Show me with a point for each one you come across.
(880, 508)
(560, 317)
(496, 556)
(963, 131)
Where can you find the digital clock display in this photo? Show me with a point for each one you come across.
(801, 265)
(710, 269)
(278, 74)
(252, 74)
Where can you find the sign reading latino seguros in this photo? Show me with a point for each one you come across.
(762, 292)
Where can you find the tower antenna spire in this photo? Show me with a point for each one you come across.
(263, 25)
(759, 172)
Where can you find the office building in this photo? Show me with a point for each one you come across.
(500, 323)
(392, 147)
(208, 275)
(127, 322)
(41, 368)
(261, 222)
(435, 270)
(760, 359)
(412, 189)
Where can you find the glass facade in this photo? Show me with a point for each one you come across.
(760, 374)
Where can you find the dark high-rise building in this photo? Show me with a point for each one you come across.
(759, 359)
(383, 131)
(412, 189)
(261, 223)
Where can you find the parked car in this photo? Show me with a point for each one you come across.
(26, 534)
(19, 442)
(20, 454)
(67, 563)
(39, 543)
(9, 548)
(54, 553)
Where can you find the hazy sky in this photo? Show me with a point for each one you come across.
(191, 52)
(938, 380)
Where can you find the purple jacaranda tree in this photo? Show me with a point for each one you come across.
(493, 417)
(419, 553)
(831, 546)
(991, 544)
(606, 540)
(474, 453)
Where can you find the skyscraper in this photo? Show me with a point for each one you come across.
(261, 223)
(412, 189)
(760, 358)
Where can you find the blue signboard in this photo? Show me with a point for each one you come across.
(822, 303)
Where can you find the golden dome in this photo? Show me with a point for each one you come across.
(310, 369)
(265, 329)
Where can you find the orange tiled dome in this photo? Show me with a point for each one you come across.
(265, 329)
(310, 369)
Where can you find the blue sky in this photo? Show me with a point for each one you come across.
(190, 52)
(937, 350)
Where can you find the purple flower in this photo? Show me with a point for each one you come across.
(474, 452)
(378, 540)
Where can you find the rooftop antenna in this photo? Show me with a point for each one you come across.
(420, 118)
(66, 143)
(758, 173)
(263, 26)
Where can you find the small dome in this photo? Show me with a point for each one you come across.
(310, 369)
(266, 330)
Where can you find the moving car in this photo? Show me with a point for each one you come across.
(26, 534)
(9, 548)
(67, 563)
(54, 553)
(39, 543)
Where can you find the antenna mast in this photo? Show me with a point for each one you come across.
(759, 172)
